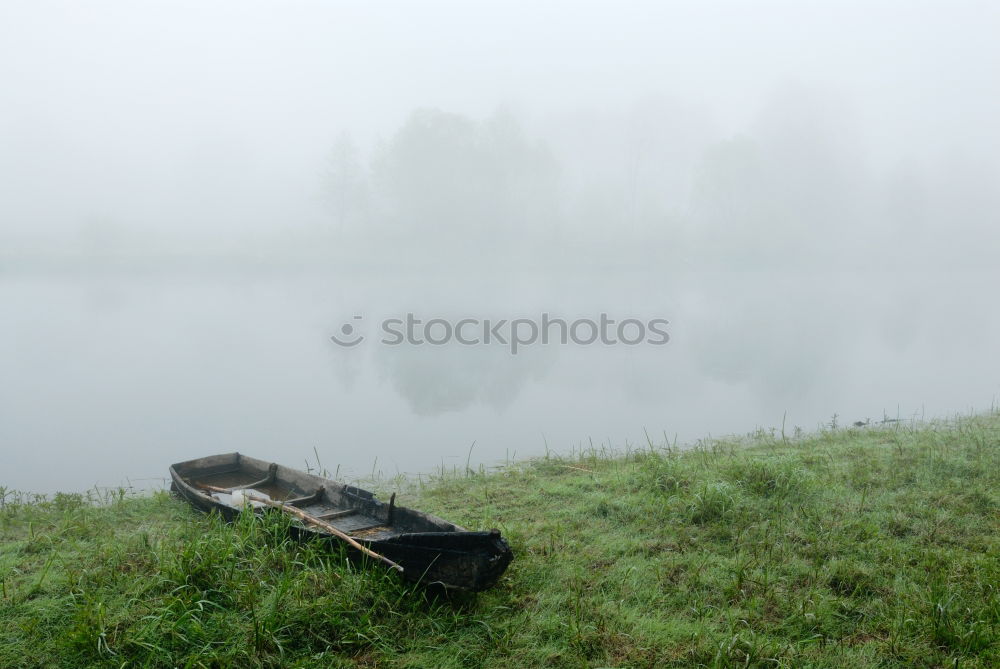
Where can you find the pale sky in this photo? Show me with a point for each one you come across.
(107, 106)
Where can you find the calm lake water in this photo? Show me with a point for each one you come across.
(109, 378)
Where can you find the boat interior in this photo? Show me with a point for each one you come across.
(229, 483)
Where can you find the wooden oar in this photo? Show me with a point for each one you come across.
(302, 515)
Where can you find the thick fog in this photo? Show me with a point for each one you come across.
(195, 197)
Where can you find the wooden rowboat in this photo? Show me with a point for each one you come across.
(424, 548)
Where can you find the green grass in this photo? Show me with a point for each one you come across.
(848, 548)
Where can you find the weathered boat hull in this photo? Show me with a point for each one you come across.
(429, 549)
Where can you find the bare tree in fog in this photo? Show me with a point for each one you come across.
(346, 183)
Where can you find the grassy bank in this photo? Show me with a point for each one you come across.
(856, 547)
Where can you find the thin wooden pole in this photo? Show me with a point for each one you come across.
(302, 515)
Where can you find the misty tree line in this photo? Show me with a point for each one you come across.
(444, 174)
(799, 184)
